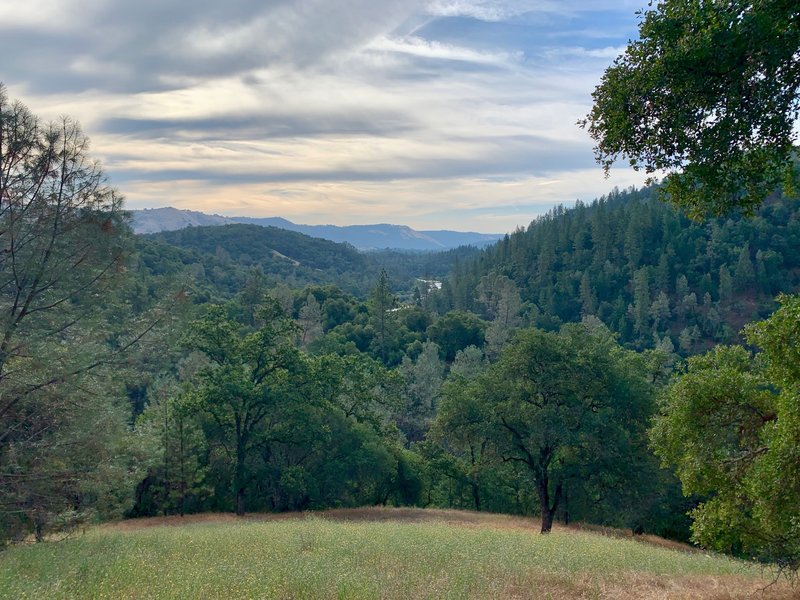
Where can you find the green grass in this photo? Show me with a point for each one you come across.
(318, 558)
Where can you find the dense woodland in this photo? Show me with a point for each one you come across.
(648, 272)
(575, 370)
(220, 260)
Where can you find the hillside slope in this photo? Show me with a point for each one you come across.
(368, 553)
(224, 258)
(383, 235)
(155, 220)
(364, 237)
(649, 273)
(243, 241)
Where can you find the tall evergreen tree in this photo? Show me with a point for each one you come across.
(63, 247)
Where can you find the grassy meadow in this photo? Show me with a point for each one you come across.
(371, 553)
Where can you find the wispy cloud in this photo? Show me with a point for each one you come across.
(435, 50)
(607, 53)
(488, 10)
(426, 112)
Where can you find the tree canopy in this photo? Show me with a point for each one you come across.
(567, 407)
(250, 379)
(731, 427)
(63, 242)
(708, 94)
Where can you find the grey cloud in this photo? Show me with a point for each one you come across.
(259, 127)
(137, 45)
(504, 10)
(500, 159)
(308, 71)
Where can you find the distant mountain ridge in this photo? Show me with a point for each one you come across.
(363, 237)
(156, 220)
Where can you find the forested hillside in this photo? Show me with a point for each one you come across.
(219, 260)
(644, 269)
(364, 237)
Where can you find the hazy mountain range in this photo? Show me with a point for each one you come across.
(363, 237)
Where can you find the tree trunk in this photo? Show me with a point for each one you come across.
(476, 496)
(38, 529)
(183, 468)
(240, 501)
(240, 480)
(547, 519)
(548, 510)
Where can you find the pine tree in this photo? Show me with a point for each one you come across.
(381, 301)
(744, 274)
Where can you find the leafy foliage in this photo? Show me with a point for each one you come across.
(709, 94)
(220, 260)
(651, 275)
(250, 382)
(730, 425)
(65, 449)
(565, 407)
(279, 429)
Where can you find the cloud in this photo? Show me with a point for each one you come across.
(361, 110)
(506, 10)
(257, 127)
(46, 15)
(487, 10)
(605, 54)
(419, 47)
(144, 45)
(469, 204)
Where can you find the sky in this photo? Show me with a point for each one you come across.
(438, 114)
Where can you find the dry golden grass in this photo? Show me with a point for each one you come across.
(374, 553)
(461, 518)
(637, 586)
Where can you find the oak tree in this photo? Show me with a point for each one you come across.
(250, 382)
(730, 425)
(569, 408)
(709, 95)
